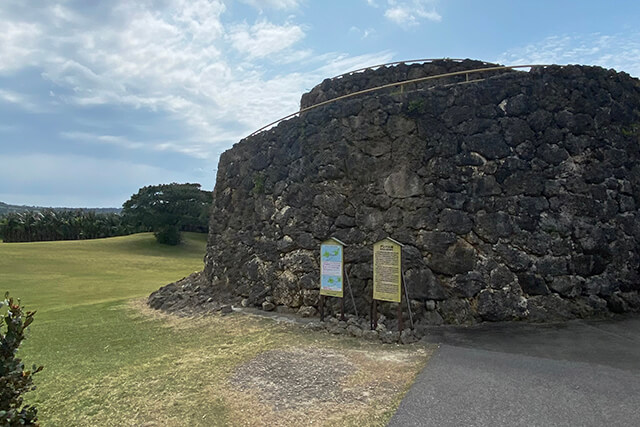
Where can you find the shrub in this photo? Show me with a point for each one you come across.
(14, 380)
(417, 106)
(258, 184)
(168, 235)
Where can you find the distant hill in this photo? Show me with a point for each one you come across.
(5, 209)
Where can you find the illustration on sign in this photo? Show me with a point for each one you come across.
(331, 268)
(387, 273)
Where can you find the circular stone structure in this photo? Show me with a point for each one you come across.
(515, 193)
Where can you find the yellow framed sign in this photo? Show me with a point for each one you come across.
(331, 268)
(387, 270)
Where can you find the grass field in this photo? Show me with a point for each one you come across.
(109, 360)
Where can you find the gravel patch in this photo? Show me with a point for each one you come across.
(296, 378)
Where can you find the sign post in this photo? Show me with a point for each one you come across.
(387, 277)
(331, 273)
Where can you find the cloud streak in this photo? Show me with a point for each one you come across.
(410, 13)
(20, 100)
(274, 4)
(264, 38)
(618, 51)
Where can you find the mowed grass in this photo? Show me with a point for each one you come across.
(82, 332)
(110, 360)
(55, 275)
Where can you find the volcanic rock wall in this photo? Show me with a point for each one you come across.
(516, 196)
(374, 78)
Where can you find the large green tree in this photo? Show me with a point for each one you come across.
(167, 209)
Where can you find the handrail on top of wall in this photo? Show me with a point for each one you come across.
(411, 61)
(400, 83)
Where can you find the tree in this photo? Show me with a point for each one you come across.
(14, 380)
(167, 209)
(3, 227)
(34, 226)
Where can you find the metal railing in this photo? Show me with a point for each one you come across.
(395, 84)
(411, 61)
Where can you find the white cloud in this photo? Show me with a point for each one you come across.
(18, 44)
(208, 81)
(264, 39)
(411, 13)
(174, 60)
(618, 51)
(339, 64)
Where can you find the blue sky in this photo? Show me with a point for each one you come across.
(98, 99)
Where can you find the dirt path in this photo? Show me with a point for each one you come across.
(278, 371)
(324, 386)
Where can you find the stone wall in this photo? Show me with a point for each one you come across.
(372, 78)
(516, 197)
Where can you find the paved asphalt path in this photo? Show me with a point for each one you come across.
(581, 373)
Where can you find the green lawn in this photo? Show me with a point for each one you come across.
(52, 276)
(110, 360)
(83, 332)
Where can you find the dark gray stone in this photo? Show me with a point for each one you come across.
(500, 305)
(433, 318)
(268, 306)
(390, 337)
(354, 331)
(513, 258)
(403, 184)
(459, 258)
(456, 311)
(490, 146)
(616, 303)
(307, 311)
(566, 286)
(468, 285)
(408, 337)
(492, 226)
(551, 266)
(423, 284)
(501, 277)
(344, 221)
(532, 284)
(632, 299)
(455, 221)
(485, 186)
(518, 105)
(544, 308)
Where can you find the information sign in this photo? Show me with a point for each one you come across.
(331, 268)
(387, 273)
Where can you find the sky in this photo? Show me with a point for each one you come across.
(100, 98)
